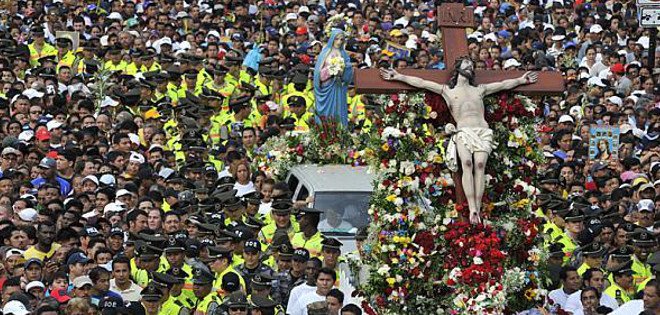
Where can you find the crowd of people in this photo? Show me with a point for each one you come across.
(129, 128)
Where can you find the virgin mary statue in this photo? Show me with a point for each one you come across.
(332, 74)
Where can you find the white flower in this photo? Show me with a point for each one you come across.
(407, 168)
(477, 261)
(398, 201)
(383, 270)
(336, 65)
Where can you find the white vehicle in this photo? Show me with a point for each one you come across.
(341, 191)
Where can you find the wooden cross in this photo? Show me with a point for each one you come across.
(453, 18)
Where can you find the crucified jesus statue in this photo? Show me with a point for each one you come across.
(471, 138)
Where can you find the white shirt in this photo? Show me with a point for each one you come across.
(131, 294)
(573, 303)
(243, 189)
(631, 307)
(297, 292)
(559, 296)
(300, 307)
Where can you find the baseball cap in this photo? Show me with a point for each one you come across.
(53, 124)
(645, 204)
(47, 163)
(34, 284)
(566, 119)
(77, 258)
(28, 214)
(82, 281)
(9, 150)
(42, 135)
(617, 68)
(596, 28)
(15, 307)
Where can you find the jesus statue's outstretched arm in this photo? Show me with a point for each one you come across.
(392, 75)
(527, 78)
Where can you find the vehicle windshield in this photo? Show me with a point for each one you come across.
(344, 212)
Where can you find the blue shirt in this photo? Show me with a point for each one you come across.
(65, 187)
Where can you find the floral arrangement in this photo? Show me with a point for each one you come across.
(424, 257)
(327, 142)
(336, 65)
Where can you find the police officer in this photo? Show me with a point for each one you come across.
(332, 259)
(220, 263)
(182, 293)
(261, 289)
(263, 306)
(298, 265)
(281, 211)
(175, 253)
(253, 264)
(208, 299)
(309, 237)
(283, 281)
(170, 305)
(644, 243)
(574, 225)
(593, 257)
(623, 289)
(236, 304)
(152, 299)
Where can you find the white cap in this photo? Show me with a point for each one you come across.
(615, 100)
(596, 81)
(491, 37)
(303, 9)
(15, 307)
(26, 135)
(291, 16)
(32, 93)
(14, 251)
(93, 178)
(134, 138)
(631, 97)
(53, 124)
(107, 179)
(575, 111)
(212, 33)
(646, 204)
(115, 16)
(108, 101)
(28, 214)
(566, 119)
(477, 35)
(644, 41)
(10, 150)
(165, 172)
(596, 28)
(136, 157)
(510, 63)
(34, 284)
(114, 207)
(123, 192)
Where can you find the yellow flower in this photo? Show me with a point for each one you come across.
(530, 294)
(391, 281)
(391, 198)
(396, 239)
(385, 147)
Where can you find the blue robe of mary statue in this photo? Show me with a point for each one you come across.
(330, 92)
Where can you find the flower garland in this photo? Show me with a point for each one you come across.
(423, 257)
(326, 143)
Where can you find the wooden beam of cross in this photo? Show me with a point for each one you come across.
(453, 18)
